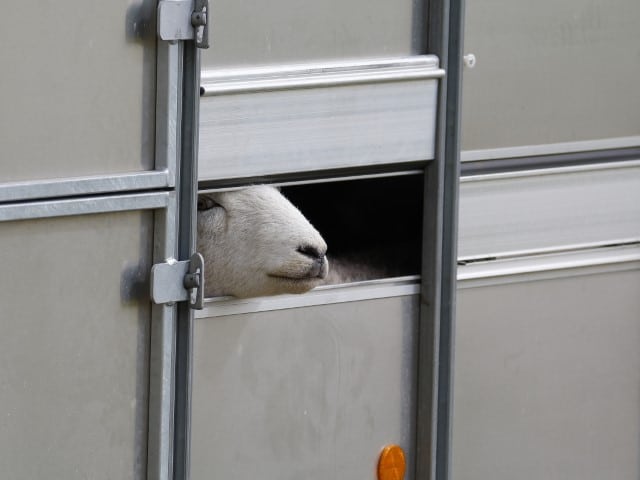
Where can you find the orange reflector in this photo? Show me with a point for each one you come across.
(391, 465)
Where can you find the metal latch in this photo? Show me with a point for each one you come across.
(175, 281)
(184, 20)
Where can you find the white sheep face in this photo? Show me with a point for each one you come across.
(255, 242)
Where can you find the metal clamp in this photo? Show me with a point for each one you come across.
(184, 20)
(194, 281)
(175, 281)
(200, 23)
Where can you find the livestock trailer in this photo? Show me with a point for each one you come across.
(115, 366)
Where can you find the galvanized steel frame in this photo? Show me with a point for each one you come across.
(164, 318)
(83, 206)
(72, 187)
(162, 355)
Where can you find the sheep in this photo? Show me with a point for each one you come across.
(255, 243)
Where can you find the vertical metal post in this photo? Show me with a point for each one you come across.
(436, 329)
(187, 197)
(161, 363)
(163, 317)
(450, 237)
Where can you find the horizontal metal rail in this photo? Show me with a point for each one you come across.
(324, 295)
(632, 164)
(84, 206)
(549, 149)
(90, 185)
(549, 266)
(556, 160)
(319, 75)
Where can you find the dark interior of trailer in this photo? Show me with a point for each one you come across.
(373, 227)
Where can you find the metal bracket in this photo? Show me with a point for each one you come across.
(199, 21)
(184, 20)
(175, 281)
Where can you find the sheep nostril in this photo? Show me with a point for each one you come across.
(311, 251)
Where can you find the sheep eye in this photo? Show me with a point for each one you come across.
(206, 203)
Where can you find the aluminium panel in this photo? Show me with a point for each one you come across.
(313, 392)
(547, 378)
(78, 95)
(545, 210)
(318, 117)
(74, 346)
(245, 33)
(546, 73)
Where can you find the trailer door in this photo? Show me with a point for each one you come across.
(301, 93)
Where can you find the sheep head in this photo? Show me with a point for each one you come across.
(255, 242)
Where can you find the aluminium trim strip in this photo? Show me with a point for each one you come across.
(431, 61)
(320, 75)
(71, 187)
(324, 295)
(632, 164)
(549, 266)
(556, 249)
(549, 149)
(559, 160)
(83, 206)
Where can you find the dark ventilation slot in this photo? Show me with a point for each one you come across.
(373, 227)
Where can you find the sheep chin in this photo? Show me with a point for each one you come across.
(295, 271)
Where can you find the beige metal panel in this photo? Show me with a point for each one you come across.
(74, 346)
(244, 32)
(554, 209)
(77, 89)
(550, 72)
(547, 378)
(304, 393)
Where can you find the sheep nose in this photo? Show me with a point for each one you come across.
(312, 252)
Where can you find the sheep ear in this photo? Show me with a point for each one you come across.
(206, 203)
